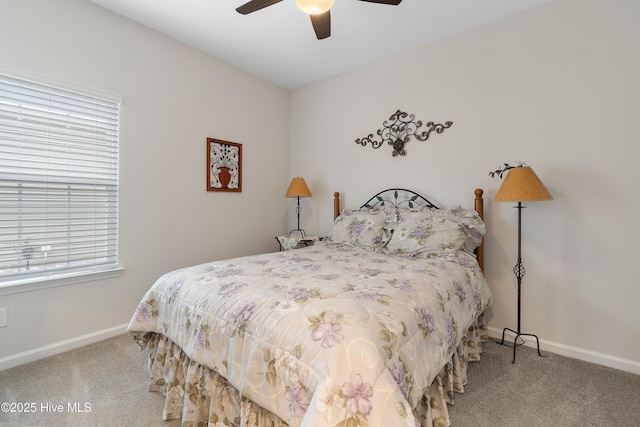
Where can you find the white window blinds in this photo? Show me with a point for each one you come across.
(58, 181)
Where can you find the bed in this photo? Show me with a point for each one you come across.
(373, 326)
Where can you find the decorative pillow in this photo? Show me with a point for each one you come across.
(366, 228)
(473, 224)
(431, 230)
(425, 230)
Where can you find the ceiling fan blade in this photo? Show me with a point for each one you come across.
(255, 5)
(391, 2)
(322, 24)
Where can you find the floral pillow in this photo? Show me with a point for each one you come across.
(431, 230)
(473, 224)
(365, 228)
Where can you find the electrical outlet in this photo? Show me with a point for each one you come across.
(3, 317)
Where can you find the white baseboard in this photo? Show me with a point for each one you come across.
(60, 347)
(553, 347)
(575, 352)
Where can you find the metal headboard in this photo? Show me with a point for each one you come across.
(399, 198)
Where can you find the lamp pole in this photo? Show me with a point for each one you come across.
(298, 210)
(519, 271)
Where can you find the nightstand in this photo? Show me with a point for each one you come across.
(295, 241)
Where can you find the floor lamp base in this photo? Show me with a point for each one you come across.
(516, 344)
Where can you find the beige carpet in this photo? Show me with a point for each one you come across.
(553, 391)
(110, 378)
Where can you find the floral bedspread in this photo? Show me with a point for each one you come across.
(327, 335)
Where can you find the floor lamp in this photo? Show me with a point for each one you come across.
(521, 185)
(298, 188)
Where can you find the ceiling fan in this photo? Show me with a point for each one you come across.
(318, 10)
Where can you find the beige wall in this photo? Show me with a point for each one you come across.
(556, 87)
(174, 97)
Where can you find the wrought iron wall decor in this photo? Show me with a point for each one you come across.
(224, 165)
(398, 130)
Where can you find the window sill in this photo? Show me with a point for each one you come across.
(28, 285)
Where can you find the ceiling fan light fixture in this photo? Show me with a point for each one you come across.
(314, 7)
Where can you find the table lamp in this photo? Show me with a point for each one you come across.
(298, 188)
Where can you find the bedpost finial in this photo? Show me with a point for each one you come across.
(479, 192)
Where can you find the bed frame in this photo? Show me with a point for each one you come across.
(400, 197)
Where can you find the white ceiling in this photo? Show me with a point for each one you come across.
(278, 43)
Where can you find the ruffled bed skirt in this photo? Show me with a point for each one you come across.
(200, 396)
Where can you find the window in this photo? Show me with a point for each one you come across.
(58, 182)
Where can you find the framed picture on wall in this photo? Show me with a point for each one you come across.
(224, 165)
